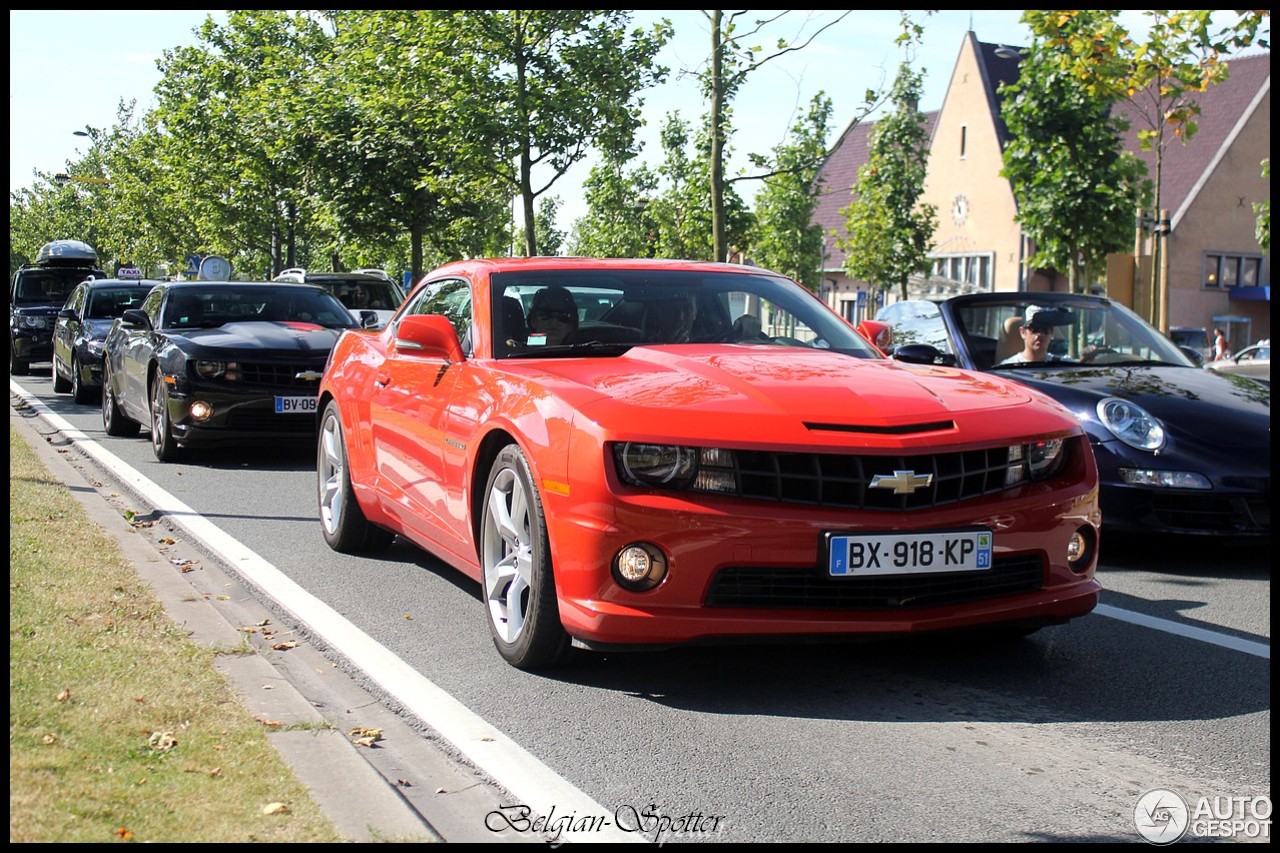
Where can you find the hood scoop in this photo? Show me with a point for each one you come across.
(899, 429)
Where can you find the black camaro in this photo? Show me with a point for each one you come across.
(1179, 449)
(207, 362)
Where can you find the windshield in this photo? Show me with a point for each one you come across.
(107, 304)
(1078, 331)
(558, 312)
(49, 286)
(216, 305)
(367, 295)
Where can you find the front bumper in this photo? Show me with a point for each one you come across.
(245, 415)
(740, 569)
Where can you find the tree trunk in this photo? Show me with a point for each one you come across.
(719, 250)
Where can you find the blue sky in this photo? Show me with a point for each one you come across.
(71, 69)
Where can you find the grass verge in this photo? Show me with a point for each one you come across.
(120, 729)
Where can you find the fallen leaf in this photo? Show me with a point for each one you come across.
(123, 834)
(162, 741)
(275, 808)
(268, 687)
(285, 646)
(224, 598)
(404, 783)
(49, 739)
(63, 695)
(165, 540)
(271, 724)
(408, 616)
(366, 741)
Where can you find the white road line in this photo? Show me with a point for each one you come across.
(530, 781)
(1249, 647)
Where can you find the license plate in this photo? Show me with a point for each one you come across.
(859, 555)
(295, 405)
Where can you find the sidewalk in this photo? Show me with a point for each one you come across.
(403, 787)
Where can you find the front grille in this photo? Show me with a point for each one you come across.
(1200, 512)
(842, 480)
(280, 374)
(740, 586)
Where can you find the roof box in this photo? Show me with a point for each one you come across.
(66, 253)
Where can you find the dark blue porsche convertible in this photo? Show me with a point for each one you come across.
(1179, 449)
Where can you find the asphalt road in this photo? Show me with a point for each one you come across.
(1051, 738)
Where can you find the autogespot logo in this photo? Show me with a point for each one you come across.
(1161, 816)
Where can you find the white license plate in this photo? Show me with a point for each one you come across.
(859, 555)
(295, 405)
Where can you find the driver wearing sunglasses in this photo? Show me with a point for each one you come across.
(553, 316)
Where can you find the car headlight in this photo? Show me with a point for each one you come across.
(1131, 423)
(210, 369)
(34, 322)
(656, 464)
(1038, 460)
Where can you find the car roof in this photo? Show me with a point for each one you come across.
(559, 262)
(122, 282)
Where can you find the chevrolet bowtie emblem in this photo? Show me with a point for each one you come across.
(309, 376)
(902, 482)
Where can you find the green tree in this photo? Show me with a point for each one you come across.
(1075, 186)
(733, 58)
(784, 236)
(382, 110)
(549, 84)
(890, 233)
(1263, 212)
(226, 126)
(1159, 76)
(550, 238)
(617, 223)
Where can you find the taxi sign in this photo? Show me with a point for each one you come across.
(128, 272)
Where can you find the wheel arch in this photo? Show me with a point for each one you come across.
(490, 446)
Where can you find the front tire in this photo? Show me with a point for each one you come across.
(163, 444)
(515, 555)
(60, 385)
(345, 527)
(17, 366)
(79, 391)
(114, 421)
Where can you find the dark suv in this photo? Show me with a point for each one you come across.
(36, 295)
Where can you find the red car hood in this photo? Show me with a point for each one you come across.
(753, 394)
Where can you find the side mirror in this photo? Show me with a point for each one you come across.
(1197, 357)
(67, 314)
(923, 354)
(135, 318)
(430, 335)
(369, 319)
(879, 333)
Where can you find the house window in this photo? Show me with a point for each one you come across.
(1232, 270)
(964, 139)
(972, 270)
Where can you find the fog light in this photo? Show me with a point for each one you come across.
(1165, 479)
(201, 411)
(1080, 549)
(639, 567)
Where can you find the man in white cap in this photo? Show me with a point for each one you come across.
(1036, 330)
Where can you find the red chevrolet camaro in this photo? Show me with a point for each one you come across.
(638, 453)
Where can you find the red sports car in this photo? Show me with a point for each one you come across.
(631, 453)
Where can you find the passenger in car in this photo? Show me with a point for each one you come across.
(553, 316)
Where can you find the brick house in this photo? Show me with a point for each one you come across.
(1217, 274)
